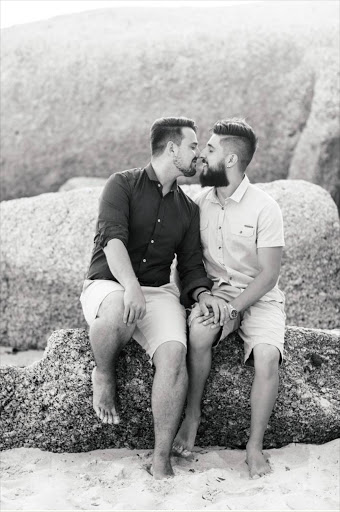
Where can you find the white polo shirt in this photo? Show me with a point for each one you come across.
(232, 232)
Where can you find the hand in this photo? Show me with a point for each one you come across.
(214, 310)
(134, 304)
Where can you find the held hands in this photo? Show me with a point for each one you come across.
(134, 304)
(212, 310)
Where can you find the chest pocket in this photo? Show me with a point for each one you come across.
(242, 232)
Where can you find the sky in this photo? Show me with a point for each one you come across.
(16, 12)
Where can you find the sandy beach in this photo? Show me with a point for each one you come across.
(304, 477)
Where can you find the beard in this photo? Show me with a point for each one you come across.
(214, 176)
(186, 171)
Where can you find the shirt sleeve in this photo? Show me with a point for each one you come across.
(113, 218)
(270, 227)
(190, 265)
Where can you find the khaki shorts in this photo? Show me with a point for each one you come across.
(165, 318)
(263, 322)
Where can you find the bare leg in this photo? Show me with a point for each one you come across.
(263, 396)
(108, 335)
(201, 339)
(168, 395)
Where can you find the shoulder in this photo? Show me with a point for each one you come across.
(261, 198)
(125, 178)
(128, 175)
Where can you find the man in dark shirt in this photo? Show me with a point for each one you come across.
(144, 220)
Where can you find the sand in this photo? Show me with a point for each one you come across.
(304, 477)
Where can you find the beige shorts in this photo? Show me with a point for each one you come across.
(165, 318)
(263, 322)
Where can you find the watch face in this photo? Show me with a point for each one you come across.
(233, 314)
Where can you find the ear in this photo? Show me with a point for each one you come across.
(171, 148)
(231, 160)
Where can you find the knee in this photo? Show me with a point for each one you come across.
(266, 360)
(170, 357)
(110, 317)
(202, 337)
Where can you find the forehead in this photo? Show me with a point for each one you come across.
(189, 136)
(214, 141)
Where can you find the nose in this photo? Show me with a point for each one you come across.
(197, 152)
(203, 153)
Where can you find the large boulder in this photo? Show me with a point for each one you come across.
(48, 405)
(317, 155)
(47, 242)
(79, 93)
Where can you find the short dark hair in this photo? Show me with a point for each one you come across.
(168, 128)
(239, 136)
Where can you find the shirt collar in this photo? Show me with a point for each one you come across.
(150, 171)
(236, 195)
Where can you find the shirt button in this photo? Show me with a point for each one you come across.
(222, 207)
(158, 220)
(220, 247)
(159, 184)
(152, 241)
(219, 227)
(144, 261)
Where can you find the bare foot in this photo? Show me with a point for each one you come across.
(185, 440)
(104, 391)
(257, 463)
(160, 468)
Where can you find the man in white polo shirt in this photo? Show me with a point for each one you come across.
(242, 239)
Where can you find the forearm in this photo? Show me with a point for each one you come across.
(119, 262)
(263, 283)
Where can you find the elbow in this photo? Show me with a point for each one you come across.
(272, 280)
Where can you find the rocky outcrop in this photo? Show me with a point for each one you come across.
(48, 405)
(47, 241)
(317, 155)
(79, 93)
(46, 244)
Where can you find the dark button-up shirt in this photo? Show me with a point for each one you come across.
(153, 228)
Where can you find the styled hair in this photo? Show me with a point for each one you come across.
(237, 136)
(168, 128)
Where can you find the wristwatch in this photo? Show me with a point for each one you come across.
(232, 311)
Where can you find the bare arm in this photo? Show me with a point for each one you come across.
(120, 266)
(269, 262)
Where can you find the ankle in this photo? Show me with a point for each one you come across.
(193, 414)
(254, 445)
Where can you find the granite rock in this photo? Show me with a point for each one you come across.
(80, 92)
(45, 250)
(48, 405)
(46, 244)
(317, 155)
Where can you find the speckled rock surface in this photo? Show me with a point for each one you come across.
(80, 92)
(45, 250)
(46, 244)
(48, 405)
